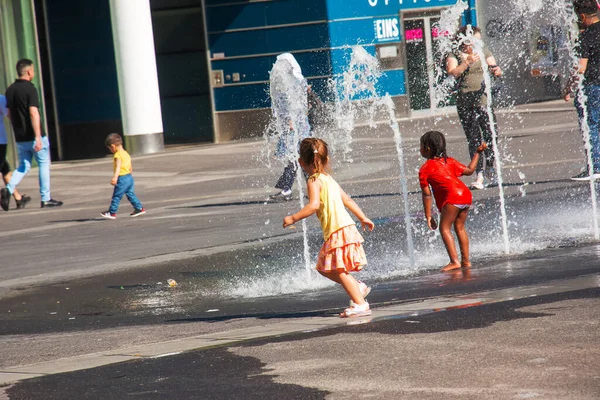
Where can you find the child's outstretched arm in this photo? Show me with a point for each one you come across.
(355, 209)
(427, 203)
(473, 164)
(314, 189)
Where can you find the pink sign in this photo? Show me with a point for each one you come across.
(435, 33)
(413, 35)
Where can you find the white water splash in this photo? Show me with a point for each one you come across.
(561, 16)
(446, 27)
(360, 82)
(289, 125)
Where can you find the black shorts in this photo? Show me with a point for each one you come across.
(4, 165)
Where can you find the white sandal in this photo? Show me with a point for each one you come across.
(356, 310)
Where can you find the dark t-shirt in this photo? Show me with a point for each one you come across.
(590, 49)
(19, 97)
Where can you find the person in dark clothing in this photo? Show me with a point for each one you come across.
(286, 180)
(471, 101)
(5, 170)
(588, 73)
(315, 108)
(23, 111)
(294, 126)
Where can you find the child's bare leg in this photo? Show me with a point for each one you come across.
(331, 275)
(463, 238)
(351, 287)
(449, 215)
(348, 282)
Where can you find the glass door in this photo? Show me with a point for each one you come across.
(416, 56)
(422, 52)
(439, 59)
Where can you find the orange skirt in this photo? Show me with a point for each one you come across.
(342, 251)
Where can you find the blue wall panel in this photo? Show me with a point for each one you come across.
(243, 16)
(238, 43)
(250, 69)
(392, 83)
(245, 97)
(242, 97)
(314, 63)
(340, 58)
(276, 40)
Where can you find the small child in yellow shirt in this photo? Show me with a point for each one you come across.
(342, 252)
(122, 179)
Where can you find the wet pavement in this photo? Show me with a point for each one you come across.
(93, 295)
(138, 298)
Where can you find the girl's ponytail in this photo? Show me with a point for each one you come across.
(314, 152)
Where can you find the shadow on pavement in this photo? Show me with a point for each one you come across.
(210, 374)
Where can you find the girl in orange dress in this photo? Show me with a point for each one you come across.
(342, 251)
(453, 198)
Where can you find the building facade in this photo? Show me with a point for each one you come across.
(245, 38)
(211, 61)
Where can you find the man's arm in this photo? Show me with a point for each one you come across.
(574, 79)
(34, 113)
(583, 63)
(585, 50)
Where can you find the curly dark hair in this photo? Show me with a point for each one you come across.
(436, 142)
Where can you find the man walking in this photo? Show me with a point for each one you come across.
(23, 111)
(4, 165)
(589, 68)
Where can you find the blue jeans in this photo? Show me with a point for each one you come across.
(26, 154)
(593, 117)
(124, 187)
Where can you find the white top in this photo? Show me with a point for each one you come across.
(3, 114)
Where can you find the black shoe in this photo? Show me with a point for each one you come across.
(51, 203)
(4, 198)
(23, 202)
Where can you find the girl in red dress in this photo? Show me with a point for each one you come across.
(453, 198)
